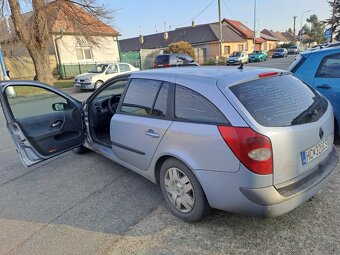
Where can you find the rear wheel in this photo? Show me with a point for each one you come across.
(182, 191)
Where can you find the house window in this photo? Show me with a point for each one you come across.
(226, 50)
(240, 47)
(247, 45)
(84, 53)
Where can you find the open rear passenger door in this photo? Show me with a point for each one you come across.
(42, 120)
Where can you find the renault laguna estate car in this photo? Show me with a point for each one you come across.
(252, 141)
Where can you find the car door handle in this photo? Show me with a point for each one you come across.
(152, 133)
(56, 123)
(324, 86)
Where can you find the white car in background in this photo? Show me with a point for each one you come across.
(100, 73)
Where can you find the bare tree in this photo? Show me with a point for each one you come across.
(34, 31)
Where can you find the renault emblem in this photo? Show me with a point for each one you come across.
(321, 133)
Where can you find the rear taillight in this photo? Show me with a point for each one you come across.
(251, 148)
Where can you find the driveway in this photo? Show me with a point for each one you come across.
(86, 204)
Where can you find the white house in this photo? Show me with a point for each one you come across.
(68, 46)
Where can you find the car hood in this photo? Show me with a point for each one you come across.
(84, 76)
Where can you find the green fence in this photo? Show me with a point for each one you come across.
(71, 70)
(131, 57)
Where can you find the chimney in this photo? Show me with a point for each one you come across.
(193, 23)
(141, 39)
(165, 35)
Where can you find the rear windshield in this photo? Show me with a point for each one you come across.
(279, 50)
(280, 101)
(162, 59)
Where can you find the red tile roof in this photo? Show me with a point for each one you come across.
(75, 20)
(62, 19)
(259, 40)
(240, 27)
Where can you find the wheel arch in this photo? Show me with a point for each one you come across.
(163, 158)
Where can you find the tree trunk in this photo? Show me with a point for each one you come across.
(41, 62)
(35, 37)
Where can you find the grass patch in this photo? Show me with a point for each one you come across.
(62, 84)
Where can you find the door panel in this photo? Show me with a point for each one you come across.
(135, 139)
(42, 120)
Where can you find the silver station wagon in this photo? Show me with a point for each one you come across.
(252, 141)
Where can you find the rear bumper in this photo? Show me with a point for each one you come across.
(265, 201)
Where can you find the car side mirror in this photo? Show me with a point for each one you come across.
(58, 107)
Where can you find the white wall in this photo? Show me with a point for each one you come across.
(105, 51)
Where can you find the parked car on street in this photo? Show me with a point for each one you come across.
(258, 56)
(238, 57)
(252, 141)
(174, 60)
(280, 53)
(321, 70)
(293, 50)
(100, 73)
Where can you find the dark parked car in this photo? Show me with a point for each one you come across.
(280, 53)
(174, 59)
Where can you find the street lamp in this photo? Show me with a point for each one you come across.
(301, 27)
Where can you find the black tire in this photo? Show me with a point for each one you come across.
(80, 150)
(201, 206)
(98, 84)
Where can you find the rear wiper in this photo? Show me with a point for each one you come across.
(306, 115)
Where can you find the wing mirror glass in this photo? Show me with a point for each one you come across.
(58, 107)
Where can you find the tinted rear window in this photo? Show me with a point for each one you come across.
(280, 101)
(162, 59)
(300, 59)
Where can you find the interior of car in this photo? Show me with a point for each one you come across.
(101, 109)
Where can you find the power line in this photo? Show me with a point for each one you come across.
(232, 13)
(196, 15)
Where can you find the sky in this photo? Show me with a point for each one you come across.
(133, 16)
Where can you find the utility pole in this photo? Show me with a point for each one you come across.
(254, 25)
(220, 26)
(333, 18)
(294, 40)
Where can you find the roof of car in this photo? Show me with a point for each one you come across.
(322, 50)
(212, 72)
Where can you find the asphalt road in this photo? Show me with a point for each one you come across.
(86, 204)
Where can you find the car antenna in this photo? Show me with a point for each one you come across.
(240, 67)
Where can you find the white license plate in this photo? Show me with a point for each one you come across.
(314, 152)
(77, 85)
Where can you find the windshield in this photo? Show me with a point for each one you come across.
(257, 52)
(98, 69)
(236, 54)
(279, 50)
